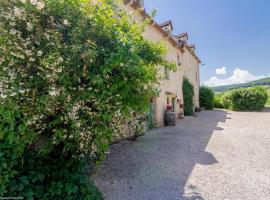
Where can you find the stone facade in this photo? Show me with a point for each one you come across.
(178, 51)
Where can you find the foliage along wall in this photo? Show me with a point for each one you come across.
(71, 72)
(188, 95)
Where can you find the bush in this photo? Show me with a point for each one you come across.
(218, 100)
(248, 99)
(227, 100)
(68, 70)
(223, 100)
(188, 94)
(207, 98)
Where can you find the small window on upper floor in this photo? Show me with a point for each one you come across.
(178, 60)
(167, 73)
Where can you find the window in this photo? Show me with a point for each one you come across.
(178, 60)
(167, 73)
(173, 104)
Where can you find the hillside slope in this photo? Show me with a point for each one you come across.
(260, 82)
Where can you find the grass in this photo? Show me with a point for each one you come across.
(268, 101)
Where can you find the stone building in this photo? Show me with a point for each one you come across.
(179, 51)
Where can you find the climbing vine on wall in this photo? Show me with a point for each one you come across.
(188, 94)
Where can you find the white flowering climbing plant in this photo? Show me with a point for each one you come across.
(71, 74)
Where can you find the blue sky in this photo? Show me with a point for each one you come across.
(232, 37)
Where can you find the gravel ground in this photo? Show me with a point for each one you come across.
(218, 155)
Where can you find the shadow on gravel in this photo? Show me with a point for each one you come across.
(158, 165)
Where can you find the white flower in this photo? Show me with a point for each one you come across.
(39, 53)
(65, 22)
(28, 52)
(60, 59)
(3, 96)
(47, 36)
(23, 1)
(52, 93)
(12, 24)
(29, 26)
(18, 12)
(59, 70)
(40, 5)
(22, 91)
(32, 59)
(13, 94)
(13, 32)
(33, 2)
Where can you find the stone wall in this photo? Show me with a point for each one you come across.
(170, 89)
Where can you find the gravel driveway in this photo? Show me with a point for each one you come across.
(219, 155)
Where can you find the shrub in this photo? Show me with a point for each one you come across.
(248, 99)
(207, 98)
(227, 100)
(188, 94)
(218, 100)
(268, 93)
(68, 70)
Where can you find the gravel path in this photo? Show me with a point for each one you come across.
(219, 155)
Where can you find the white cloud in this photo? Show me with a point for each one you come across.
(221, 71)
(238, 76)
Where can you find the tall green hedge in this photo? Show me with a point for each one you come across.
(247, 99)
(251, 99)
(206, 98)
(218, 100)
(188, 94)
(71, 72)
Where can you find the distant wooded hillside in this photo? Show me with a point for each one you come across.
(260, 82)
